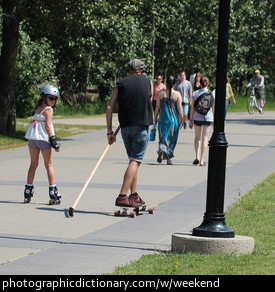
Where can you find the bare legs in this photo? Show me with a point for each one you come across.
(130, 178)
(201, 142)
(48, 162)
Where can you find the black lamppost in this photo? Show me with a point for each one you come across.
(213, 224)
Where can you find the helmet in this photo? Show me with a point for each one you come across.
(50, 89)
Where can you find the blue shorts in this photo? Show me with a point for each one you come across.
(185, 107)
(39, 144)
(135, 140)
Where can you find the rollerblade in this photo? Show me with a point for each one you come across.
(28, 193)
(54, 196)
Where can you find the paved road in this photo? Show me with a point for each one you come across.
(37, 238)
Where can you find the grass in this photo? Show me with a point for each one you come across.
(13, 140)
(252, 215)
(241, 104)
(17, 139)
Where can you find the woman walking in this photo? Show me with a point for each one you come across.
(170, 112)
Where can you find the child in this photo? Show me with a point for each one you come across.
(42, 138)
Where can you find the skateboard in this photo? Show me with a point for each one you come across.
(126, 211)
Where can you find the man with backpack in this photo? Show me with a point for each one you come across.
(202, 116)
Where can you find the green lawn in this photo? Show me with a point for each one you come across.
(17, 139)
(252, 215)
(241, 104)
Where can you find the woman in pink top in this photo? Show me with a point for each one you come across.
(159, 87)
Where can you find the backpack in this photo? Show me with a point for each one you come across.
(204, 102)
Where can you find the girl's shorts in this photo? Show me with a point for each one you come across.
(39, 144)
(202, 123)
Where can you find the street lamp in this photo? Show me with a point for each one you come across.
(213, 224)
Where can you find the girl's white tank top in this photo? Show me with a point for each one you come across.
(37, 128)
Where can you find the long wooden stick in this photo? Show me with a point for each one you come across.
(71, 209)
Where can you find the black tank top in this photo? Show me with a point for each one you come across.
(135, 108)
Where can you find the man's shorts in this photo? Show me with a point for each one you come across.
(135, 140)
(39, 144)
(259, 93)
(185, 107)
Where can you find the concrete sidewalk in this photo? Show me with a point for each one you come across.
(40, 239)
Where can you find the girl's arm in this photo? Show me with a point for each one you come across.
(157, 109)
(180, 109)
(48, 113)
(191, 114)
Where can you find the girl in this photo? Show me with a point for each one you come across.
(202, 124)
(42, 138)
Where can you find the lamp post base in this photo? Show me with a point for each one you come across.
(213, 228)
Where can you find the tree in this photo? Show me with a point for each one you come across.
(10, 37)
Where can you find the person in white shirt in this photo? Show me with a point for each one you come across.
(41, 138)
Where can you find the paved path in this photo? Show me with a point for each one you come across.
(37, 238)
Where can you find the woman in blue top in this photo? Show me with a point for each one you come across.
(202, 124)
(170, 112)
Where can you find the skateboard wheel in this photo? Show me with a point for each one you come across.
(151, 211)
(143, 208)
(117, 213)
(133, 214)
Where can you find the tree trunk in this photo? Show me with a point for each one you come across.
(10, 37)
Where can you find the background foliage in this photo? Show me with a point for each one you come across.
(82, 44)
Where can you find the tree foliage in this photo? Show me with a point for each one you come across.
(90, 42)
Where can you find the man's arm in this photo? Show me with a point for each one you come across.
(109, 116)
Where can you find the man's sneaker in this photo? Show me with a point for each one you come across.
(136, 198)
(124, 201)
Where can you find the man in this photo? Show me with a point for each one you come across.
(134, 96)
(185, 88)
(258, 81)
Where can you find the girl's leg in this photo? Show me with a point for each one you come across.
(197, 141)
(34, 155)
(205, 135)
(48, 162)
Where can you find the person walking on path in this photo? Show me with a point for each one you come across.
(193, 75)
(185, 88)
(41, 138)
(134, 96)
(197, 82)
(228, 96)
(170, 112)
(202, 123)
(159, 87)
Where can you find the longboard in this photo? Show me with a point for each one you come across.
(132, 211)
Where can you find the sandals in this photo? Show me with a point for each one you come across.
(196, 162)
(160, 157)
